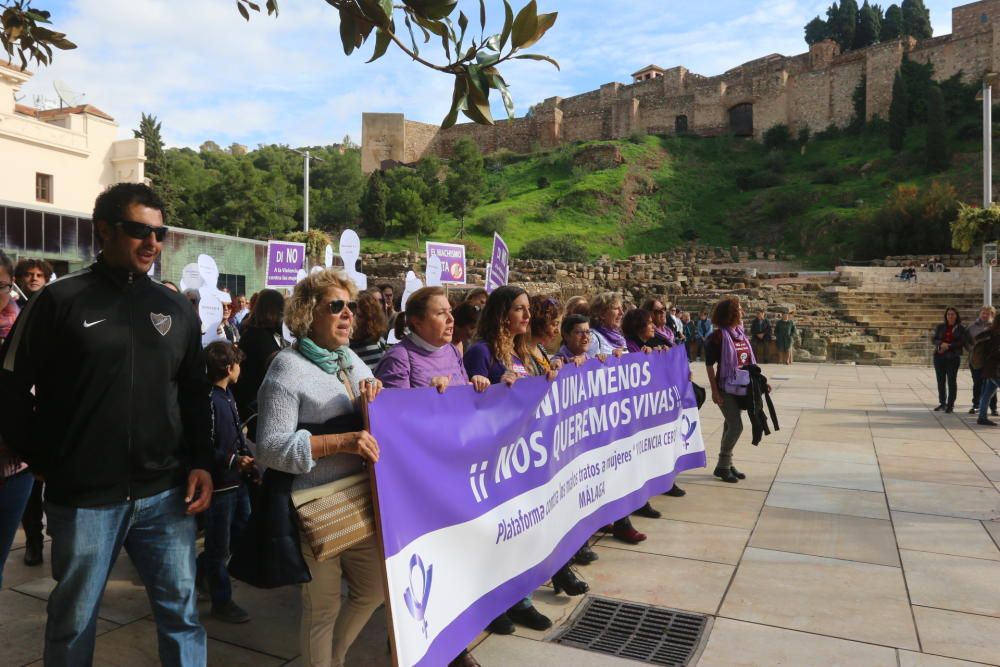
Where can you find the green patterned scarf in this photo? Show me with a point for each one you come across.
(331, 362)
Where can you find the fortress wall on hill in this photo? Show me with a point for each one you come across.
(811, 90)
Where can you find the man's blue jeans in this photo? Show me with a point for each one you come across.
(989, 389)
(225, 521)
(159, 538)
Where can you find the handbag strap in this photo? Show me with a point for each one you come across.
(345, 379)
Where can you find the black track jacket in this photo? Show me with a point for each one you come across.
(120, 409)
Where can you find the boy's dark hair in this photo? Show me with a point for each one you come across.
(25, 265)
(112, 204)
(219, 356)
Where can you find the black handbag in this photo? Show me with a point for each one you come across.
(699, 394)
(269, 553)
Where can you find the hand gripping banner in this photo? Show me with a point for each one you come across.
(483, 497)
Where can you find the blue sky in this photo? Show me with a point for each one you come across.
(207, 74)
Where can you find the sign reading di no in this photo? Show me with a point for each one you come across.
(284, 259)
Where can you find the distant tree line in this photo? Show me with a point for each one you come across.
(855, 28)
(258, 193)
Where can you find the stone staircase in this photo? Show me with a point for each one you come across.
(901, 316)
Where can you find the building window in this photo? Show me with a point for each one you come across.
(43, 188)
(681, 125)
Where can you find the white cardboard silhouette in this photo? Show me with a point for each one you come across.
(350, 252)
(210, 306)
(433, 271)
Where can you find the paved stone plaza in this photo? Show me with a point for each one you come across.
(865, 535)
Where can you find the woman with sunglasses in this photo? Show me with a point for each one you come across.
(503, 354)
(319, 381)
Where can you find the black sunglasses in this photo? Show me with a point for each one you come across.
(337, 307)
(141, 231)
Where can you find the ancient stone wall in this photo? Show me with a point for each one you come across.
(810, 90)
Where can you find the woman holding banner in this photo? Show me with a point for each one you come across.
(727, 352)
(315, 383)
(503, 354)
(607, 338)
(427, 358)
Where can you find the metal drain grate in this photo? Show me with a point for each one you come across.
(649, 634)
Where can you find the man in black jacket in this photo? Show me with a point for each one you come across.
(105, 397)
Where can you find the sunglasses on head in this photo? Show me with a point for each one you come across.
(337, 307)
(141, 231)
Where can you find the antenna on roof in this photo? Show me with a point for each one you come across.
(67, 96)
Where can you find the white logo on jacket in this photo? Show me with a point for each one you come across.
(161, 322)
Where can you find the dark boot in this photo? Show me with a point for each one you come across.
(566, 580)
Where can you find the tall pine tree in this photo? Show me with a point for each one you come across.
(898, 112)
(373, 216)
(156, 168)
(869, 26)
(843, 22)
(816, 31)
(938, 157)
(916, 19)
(465, 181)
(892, 24)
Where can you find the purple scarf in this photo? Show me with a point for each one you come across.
(613, 336)
(730, 363)
(665, 332)
(633, 345)
(566, 355)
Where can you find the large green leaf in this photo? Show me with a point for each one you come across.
(525, 25)
(382, 42)
(478, 107)
(348, 30)
(508, 101)
(545, 21)
(482, 14)
(432, 9)
(537, 56)
(508, 24)
(458, 100)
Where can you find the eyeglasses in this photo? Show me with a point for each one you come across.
(580, 334)
(337, 307)
(5, 287)
(141, 231)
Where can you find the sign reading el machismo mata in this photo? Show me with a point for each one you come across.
(284, 259)
(483, 497)
(452, 258)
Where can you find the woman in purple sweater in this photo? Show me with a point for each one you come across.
(426, 357)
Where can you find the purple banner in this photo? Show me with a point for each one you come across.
(483, 497)
(452, 258)
(284, 259)
(497, 271)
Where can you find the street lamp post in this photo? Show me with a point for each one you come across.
(305, 185)
(986, 95)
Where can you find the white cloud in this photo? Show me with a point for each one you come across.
(208, 74)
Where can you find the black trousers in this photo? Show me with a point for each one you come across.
(31, 520)
(977, 389)
(946, 368)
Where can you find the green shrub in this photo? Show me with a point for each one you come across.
(777, 137)
(828, 176)
(560, 248)
(500, 190)
(545, 214)
(804, 136)
(638, 136)
(751, 179)
(543, 182)
(831, 132)
(494, 222)
(913, 221)
(776, 162)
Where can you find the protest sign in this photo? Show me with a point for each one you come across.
(452, 258)
(483, 497)
(497, 271)
(284, 260)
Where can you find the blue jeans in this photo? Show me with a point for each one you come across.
(14, 494)
(224, 522)
(989, 389)
(159, 538)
